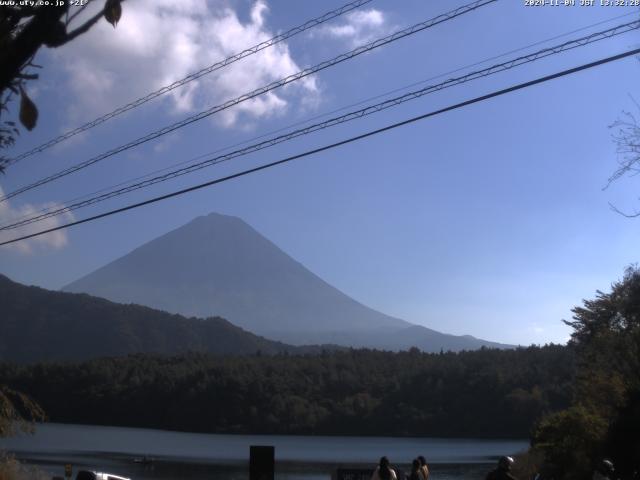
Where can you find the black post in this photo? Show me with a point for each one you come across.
(261, 462)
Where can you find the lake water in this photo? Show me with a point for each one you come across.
(197, 456)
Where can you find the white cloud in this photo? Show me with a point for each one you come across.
(160, 41)
(53, 240)
(536, 329)
(358, 27)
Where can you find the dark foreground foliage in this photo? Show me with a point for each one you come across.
(485, 393)
(603, 420)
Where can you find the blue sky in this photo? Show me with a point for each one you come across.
(490, 220)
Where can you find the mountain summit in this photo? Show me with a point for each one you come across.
(217, 265)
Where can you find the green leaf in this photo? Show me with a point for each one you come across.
(28, 111)
(113, 12)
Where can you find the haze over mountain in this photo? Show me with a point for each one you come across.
(38, 325)
(218, 265)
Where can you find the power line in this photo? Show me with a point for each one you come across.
(260, 91)
(322, 115)
(371, 133)
(193, 76)
(522, 60)
(318, 116)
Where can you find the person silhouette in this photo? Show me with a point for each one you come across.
(383, 471)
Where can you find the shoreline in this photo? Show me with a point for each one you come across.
(289, 435)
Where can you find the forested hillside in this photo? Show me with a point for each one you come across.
(38, 324)
(485, 393)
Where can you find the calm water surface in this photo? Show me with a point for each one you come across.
(207, 456)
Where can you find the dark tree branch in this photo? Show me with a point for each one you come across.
(84, 28)
(23, 30)
(28, 76)
(24, 46)
(635, 214)
(627, 141)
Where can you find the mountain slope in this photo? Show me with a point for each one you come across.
(219, 265)
(38, 324)
(396, 339)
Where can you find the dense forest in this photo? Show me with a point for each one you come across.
(484, 393)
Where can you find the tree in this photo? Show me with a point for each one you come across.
(569, 440)
(626, 137)
(24, 29)
(606, 404)
(17, 412)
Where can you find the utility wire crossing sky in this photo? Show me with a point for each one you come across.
(113, 190)
(494, 69)
(338, 144)
(314, 22)
(418, 27)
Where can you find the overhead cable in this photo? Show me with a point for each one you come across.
(189, 78)
(318, 116)
(371, 133)
(378, 107)
(260, 91)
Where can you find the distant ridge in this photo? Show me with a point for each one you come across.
(42, 325)
(219, 265)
